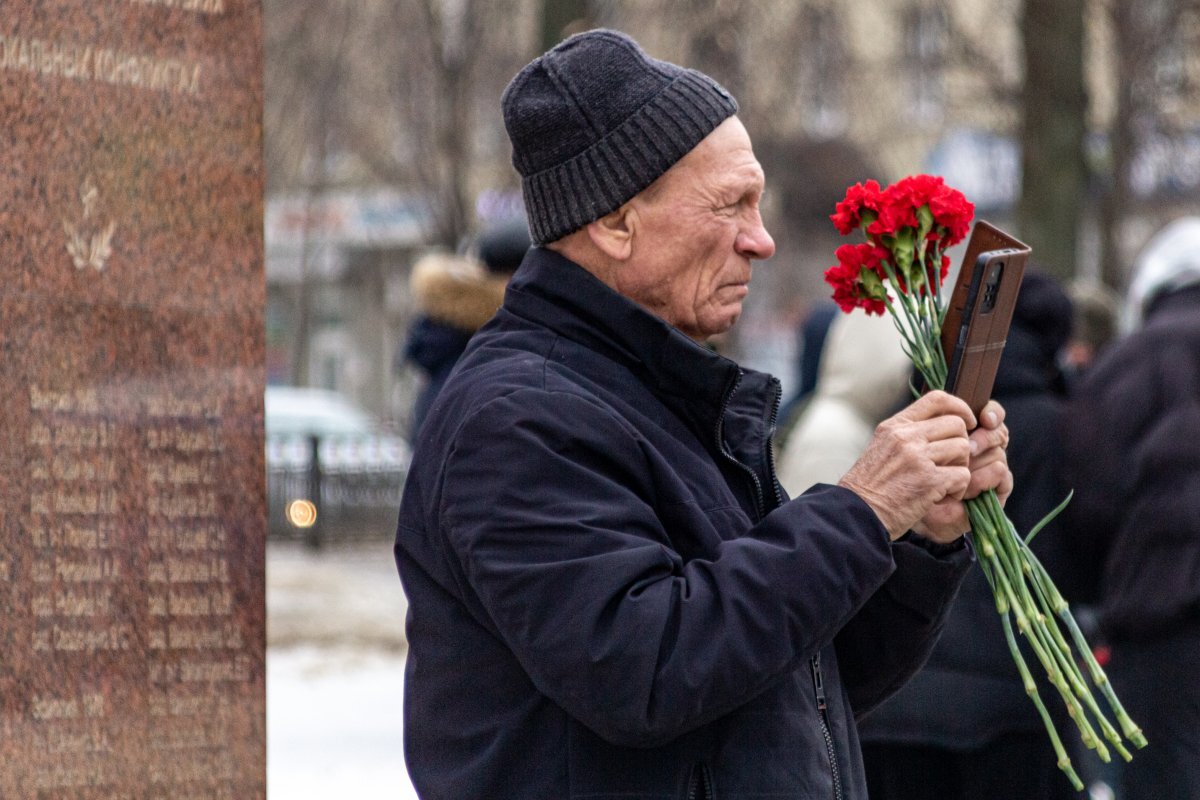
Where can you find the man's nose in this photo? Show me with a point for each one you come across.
(755, 242)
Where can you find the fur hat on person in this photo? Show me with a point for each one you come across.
(456, 290)
(595, 120)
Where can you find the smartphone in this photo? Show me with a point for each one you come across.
(980, 312)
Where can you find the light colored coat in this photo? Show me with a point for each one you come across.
(863, 376)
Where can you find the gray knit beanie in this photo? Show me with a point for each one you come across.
(595, 120)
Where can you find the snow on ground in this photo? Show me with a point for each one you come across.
(335, 667)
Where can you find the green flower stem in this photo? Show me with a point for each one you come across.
(918, 350)
(1129, 729)
(1039, 629)
(1030, 620)
(920, 326)
(1009, 563)
(1009, 602)
(1060, 752)
(934, 316)
(1051, 599)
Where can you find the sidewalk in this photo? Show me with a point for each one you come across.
(335, 668)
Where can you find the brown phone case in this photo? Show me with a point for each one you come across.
(980, 311)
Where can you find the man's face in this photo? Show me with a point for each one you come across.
(699, 229)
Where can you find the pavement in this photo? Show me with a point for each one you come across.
(335, 669)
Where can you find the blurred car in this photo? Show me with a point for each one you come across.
(332, 470)
(292, 410)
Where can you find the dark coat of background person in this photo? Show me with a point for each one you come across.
(963, 727)
(1133, 439)
(454, 299)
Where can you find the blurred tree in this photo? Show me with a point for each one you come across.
(561, 18)
(1053, 123)
(447, 63)
(716, 37)
(363, 93)
(389, 92)
(1149, 47)
(300, 121)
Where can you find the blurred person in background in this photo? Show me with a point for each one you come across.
(862, 379)
(1097, 311)
(960, 727)
(610, 596)
(455, 296)
(810, 344)
(1097, 320)
(1133, 447)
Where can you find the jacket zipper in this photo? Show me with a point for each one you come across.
(823, 711)
(700, 786)
(772, 421)
(759, 499)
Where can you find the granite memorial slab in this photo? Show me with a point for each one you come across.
(132, 519)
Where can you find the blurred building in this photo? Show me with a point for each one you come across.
(933, 84)
(344, 256)
(833, 93)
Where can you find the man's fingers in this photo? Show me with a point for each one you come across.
(942, 427)
(994, 475)
(984, 439)
(950, 452)
(938, 403)
(945, 521)
(953, 483)
(946, 403)
(992, 415)
(924, 455)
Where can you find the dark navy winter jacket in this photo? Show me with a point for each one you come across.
(609, 596)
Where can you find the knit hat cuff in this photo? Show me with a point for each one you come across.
(595, 182)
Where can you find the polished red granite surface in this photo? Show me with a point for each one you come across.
(131, 349)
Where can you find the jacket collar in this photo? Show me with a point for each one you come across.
(731, 409)
(568, 299)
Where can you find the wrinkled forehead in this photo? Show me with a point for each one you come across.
(724, 160)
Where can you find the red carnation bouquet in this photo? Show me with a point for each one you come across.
(899, 268)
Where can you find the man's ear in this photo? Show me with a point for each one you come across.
(613, 233)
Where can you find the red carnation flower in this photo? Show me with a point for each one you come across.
(857, 278)
(952, 211)
(860, 198)
(916, 190)
(892, 217)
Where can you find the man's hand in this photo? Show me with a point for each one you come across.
(948, 520)
(922, 463)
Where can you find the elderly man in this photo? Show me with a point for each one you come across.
(610, 594)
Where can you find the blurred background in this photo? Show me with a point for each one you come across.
(1074, 124)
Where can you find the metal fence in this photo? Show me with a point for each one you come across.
(330, 489)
